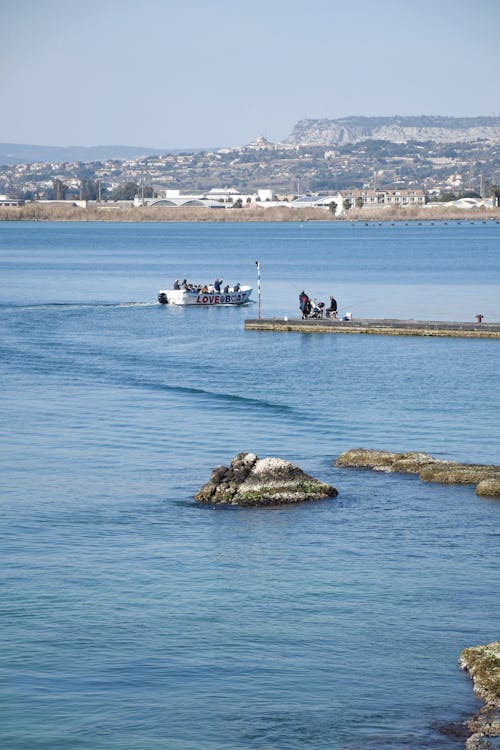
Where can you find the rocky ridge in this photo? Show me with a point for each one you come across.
(325, 132)
(251, 481)
(486, 477)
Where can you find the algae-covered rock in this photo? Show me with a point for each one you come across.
(428, 468)
(483, 665)
(489, 487)
(379, 460)
(455, 473)
(250, 481)
(413, 463)
(365, 458)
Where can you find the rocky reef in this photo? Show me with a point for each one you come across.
(483, 665)
(253, 481)
(486, 477)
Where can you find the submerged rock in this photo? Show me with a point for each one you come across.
(483, 665)
(428, 468)
(251, 481)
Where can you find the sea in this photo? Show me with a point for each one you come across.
(134, 619)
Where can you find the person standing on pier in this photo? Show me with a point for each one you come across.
(304, 304)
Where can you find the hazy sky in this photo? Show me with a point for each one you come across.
(191, 73)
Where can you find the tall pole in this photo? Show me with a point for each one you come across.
(257, 263)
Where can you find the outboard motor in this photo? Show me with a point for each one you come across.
(162, 298)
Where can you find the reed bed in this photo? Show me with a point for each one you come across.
(43, 212)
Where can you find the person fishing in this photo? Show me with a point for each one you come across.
(331, 311)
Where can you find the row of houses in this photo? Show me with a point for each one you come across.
(217, 198)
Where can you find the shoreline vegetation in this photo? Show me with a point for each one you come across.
(109, 212)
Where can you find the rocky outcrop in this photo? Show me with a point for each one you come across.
(428, 468)
(483, 665)
(251, 481)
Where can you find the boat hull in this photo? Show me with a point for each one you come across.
(207, 299)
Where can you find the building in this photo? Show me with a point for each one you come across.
(5, 201)
(370, 197)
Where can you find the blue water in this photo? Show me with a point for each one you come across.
(133, 619)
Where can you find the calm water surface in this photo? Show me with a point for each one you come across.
(133, 619)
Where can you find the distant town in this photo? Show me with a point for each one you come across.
(335, 164)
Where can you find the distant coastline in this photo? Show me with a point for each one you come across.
(64, 212)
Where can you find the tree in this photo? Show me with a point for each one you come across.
(60, 189)
(89, 190)
(359, 202)
(495, 194)
(125, 192)
(238, 203)
(347, 204)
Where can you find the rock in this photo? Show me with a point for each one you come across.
(483, 665)
(454, 473)
(478, 741)
(364, 458)
(378, 460)
(429, 469)
(413, 463)
(489, 487)
(251, 481)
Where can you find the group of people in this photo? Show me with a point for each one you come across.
(312, 309)
(216, 287)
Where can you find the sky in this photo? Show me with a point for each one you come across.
(214, 73)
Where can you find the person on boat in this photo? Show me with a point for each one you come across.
(204, 289)
(184, 285)
(226, 289)
(237, 287)
(217, 284)
(332, 310)
(176, 284)
(304, 304)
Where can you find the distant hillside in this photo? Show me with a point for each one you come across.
(21, 153)
(327, 132)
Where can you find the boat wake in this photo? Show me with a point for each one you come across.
(243, 401)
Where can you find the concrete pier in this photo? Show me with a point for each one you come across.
(382, 327)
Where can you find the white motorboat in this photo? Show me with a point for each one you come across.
(205, 299)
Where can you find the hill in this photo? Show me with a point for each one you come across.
(22, 153)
